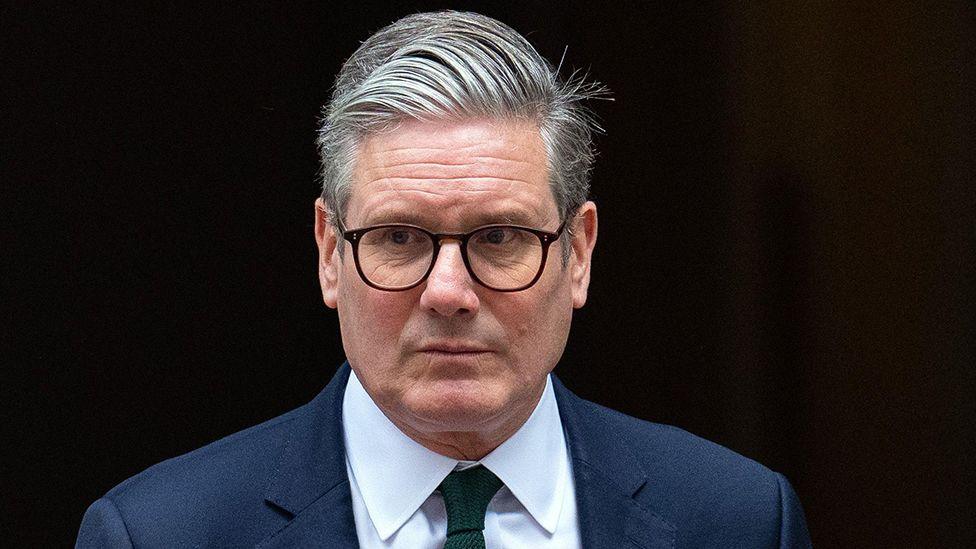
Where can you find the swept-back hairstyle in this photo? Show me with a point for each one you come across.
(451, 65)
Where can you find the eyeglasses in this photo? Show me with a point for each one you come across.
(504, 258)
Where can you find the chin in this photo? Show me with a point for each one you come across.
(456, 405)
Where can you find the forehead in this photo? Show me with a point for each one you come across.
(454, 174)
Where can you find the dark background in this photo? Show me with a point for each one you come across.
(785, 262)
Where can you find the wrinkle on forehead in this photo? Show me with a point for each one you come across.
(455, 169)
(394, 153)
(448, 151)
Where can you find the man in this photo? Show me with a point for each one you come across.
(455, 241)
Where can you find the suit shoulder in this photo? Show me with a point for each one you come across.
(715, 496)
(222, 483)
(661, 445)
(214, 459)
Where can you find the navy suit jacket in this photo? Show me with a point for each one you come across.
(283, 484)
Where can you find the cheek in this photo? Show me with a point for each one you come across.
(371, 321)
(538, 327)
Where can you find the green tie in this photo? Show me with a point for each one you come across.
(466, 496)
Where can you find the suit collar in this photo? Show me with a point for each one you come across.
(607, 478)
(310, 482)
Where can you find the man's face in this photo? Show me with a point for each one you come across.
(450, 355)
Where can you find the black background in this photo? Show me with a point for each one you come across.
(784, 266)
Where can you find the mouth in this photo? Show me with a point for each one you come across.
(433, 353)
(454, 349)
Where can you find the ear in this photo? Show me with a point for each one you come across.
(325, 237)
(583, 241)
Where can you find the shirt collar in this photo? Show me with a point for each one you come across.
(534, 463)
(395, 474)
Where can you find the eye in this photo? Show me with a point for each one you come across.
(496, 236)
(399, 236)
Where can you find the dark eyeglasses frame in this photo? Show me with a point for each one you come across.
(354, 236)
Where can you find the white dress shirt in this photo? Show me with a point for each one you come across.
(393, 480)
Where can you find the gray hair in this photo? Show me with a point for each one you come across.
(451, 65)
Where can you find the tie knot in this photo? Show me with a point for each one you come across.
(466, 496)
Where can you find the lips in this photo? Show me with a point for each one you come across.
(454, 348)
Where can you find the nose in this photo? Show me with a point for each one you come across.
(449, 290)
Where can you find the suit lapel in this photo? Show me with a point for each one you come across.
(310, 483)
(326, 522)
(607, 477)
